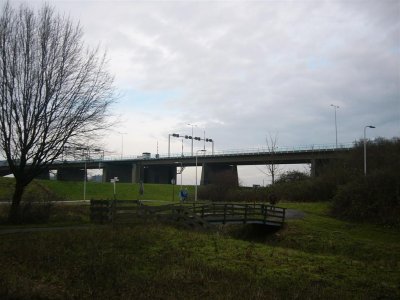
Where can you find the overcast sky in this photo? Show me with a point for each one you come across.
(243, 70)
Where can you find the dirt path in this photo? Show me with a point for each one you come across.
(43, 229)
(294, 214)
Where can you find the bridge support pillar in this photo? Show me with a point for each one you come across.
(219, 174)
(124, 172)
(136, 170)
(158, 174)
(44, 175)
(70, 174)
(316, 167)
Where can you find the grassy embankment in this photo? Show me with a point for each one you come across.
(62, 215)
(316, 257)
(71, 190)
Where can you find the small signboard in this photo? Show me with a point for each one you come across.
(114, 180)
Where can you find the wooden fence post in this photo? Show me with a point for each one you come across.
(265, 209)
(224, 213)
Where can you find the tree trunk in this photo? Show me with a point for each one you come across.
(13, 215)
(273, 173)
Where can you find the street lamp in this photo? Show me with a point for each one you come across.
(85, 154)
(335, 107)
(122, 143)
(192, 134)
(204, 139)
(365, 148)
(195, 187)
(169, 142)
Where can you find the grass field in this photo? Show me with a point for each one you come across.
(71, 190)
(317, 257)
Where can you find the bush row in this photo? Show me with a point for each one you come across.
(373, 198)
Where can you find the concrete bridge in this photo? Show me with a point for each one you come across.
(163, 168)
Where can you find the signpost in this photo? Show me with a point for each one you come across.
(173, 189)
(114, 180)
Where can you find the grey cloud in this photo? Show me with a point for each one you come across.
(257, 66)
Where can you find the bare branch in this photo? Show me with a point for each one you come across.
(54, 91)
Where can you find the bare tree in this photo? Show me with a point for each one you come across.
(53, 91)
(272, 169)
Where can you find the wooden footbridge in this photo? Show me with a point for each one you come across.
(194, 214)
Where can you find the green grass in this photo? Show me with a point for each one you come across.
(71, 190)
(6, 188)
(317, 257)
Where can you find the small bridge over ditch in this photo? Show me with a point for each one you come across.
(188, 214)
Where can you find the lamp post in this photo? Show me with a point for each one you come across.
(335, 107)
(192, 134)
(85, 179)
(85, 153)
(365, 148)
(84, 182)
(204, 139)
(122, 143)
(169, 142)
(182, 149)
(173, 181)
(169, 145)
(195, 187)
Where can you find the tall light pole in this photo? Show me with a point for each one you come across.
(181, 174)
(122, 143)
(204, 139)
(365, 147)
(84, 154)
(169, 145)
(195, 187)
(169, 142)
(192, 134)
(85, 175)
(182, 149)
(335, 107)
(87, 156)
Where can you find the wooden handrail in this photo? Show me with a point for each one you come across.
(108, 210)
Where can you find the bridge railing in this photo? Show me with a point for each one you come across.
(216, 212)
(249, 151)
(127, 211)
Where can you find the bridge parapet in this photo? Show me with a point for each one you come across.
(258, 150)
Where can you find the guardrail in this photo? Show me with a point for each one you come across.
(249, 151)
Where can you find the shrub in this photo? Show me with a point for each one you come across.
(312, 189)
(36, 205)
(292, 176)
(223, 182)
(374, 198)
(247, 195)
